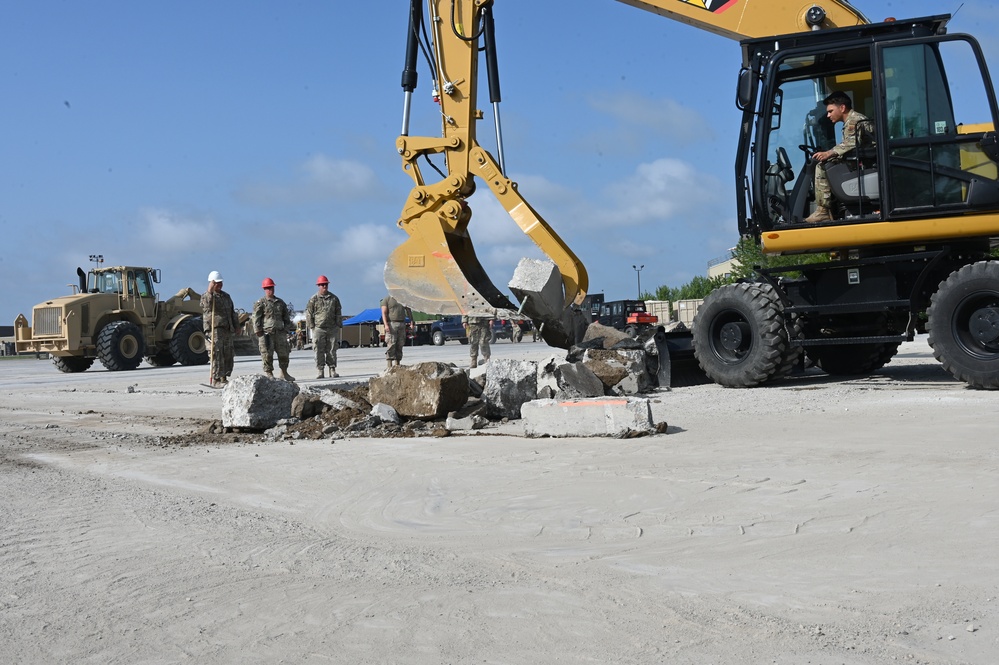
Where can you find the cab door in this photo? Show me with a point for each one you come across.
(939, 120)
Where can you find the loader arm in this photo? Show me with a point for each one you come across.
(436, 269)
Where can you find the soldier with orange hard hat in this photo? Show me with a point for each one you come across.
(272, 323)
(324, 317)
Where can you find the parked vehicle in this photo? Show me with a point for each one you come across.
(448, 328)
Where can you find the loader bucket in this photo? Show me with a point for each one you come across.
(437, 272)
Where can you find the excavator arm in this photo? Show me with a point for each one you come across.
(436, 269)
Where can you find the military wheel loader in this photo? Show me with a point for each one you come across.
(115, 317)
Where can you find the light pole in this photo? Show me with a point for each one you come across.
(638, 271)
(97, 258)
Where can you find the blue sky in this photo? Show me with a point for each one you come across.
(258, 139)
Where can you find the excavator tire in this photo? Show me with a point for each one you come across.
(964, 324)
(120, 346)
(72, 364)
(792, 354)
(739, 335)
(162, 358)
(188, 344)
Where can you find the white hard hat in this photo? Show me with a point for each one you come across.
(215, 276)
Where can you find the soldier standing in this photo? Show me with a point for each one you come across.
(394, 316)
(272, 323)
(218, 316)
(324, 317)
(479, 328)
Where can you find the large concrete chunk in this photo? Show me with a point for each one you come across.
(423, 390)
(538, 287)
(623, 371)
(599, 416)
(558, 379)
(256, 402)
(510, 383)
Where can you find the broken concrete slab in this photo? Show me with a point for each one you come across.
(622, 371)
(423, 390)
(558, 379)
(598, 416)
(509, 383)
(537, 285)
(385, 413)
(254, 401)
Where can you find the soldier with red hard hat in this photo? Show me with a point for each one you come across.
(272, 323)
(324, 317)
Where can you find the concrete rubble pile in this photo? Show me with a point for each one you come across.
(596, 390)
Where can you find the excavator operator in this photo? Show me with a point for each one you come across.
(839, 108)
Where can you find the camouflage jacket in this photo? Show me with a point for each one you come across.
(849, 141)
(323, 311)
(271, 315)
(218, 305)
(394, 309)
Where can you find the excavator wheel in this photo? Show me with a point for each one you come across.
(740, 339)
(72, 364)
(120, 346)
(964, 324)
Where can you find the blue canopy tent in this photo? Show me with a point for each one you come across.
(371, 315)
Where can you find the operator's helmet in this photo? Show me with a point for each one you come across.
(215, 276)
(268, 283)
(322, 280)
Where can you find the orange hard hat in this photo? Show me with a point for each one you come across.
(322, 280)
(267, 283)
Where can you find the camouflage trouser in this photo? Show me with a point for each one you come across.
(222, 351)
(395, 338)
(325, 342)
(823, 194)
(479, 333)
(271, 343)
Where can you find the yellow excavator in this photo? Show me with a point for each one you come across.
(912, 219)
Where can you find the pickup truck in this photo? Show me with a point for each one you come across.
(449, 327)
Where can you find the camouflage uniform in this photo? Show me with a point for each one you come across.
(823, 194)
(323, 315)
(394, 316)
(272, 323)
(480, 330)
(220, 324)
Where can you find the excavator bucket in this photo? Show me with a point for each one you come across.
(436, 271)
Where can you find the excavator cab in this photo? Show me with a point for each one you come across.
(927, 149)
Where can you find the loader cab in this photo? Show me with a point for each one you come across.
(928, 149)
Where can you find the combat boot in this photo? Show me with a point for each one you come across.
(473, 364)
(285, 375)
(333, 374)
(388, 365)
(269, 374)
(821, 214)
(320, 375)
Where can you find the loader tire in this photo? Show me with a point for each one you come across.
(120, 346)
(188, 344)
(162, 358)
(72, 364)
(964, 324)
(739, 335)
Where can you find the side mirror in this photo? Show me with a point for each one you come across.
(156, 275)
(744, 89)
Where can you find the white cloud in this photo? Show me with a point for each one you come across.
(659, 191)
(321, 179)
(167, 231)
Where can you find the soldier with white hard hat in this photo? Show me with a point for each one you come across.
(218, 316)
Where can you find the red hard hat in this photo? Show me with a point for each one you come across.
(267, 283)
(322, 280)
